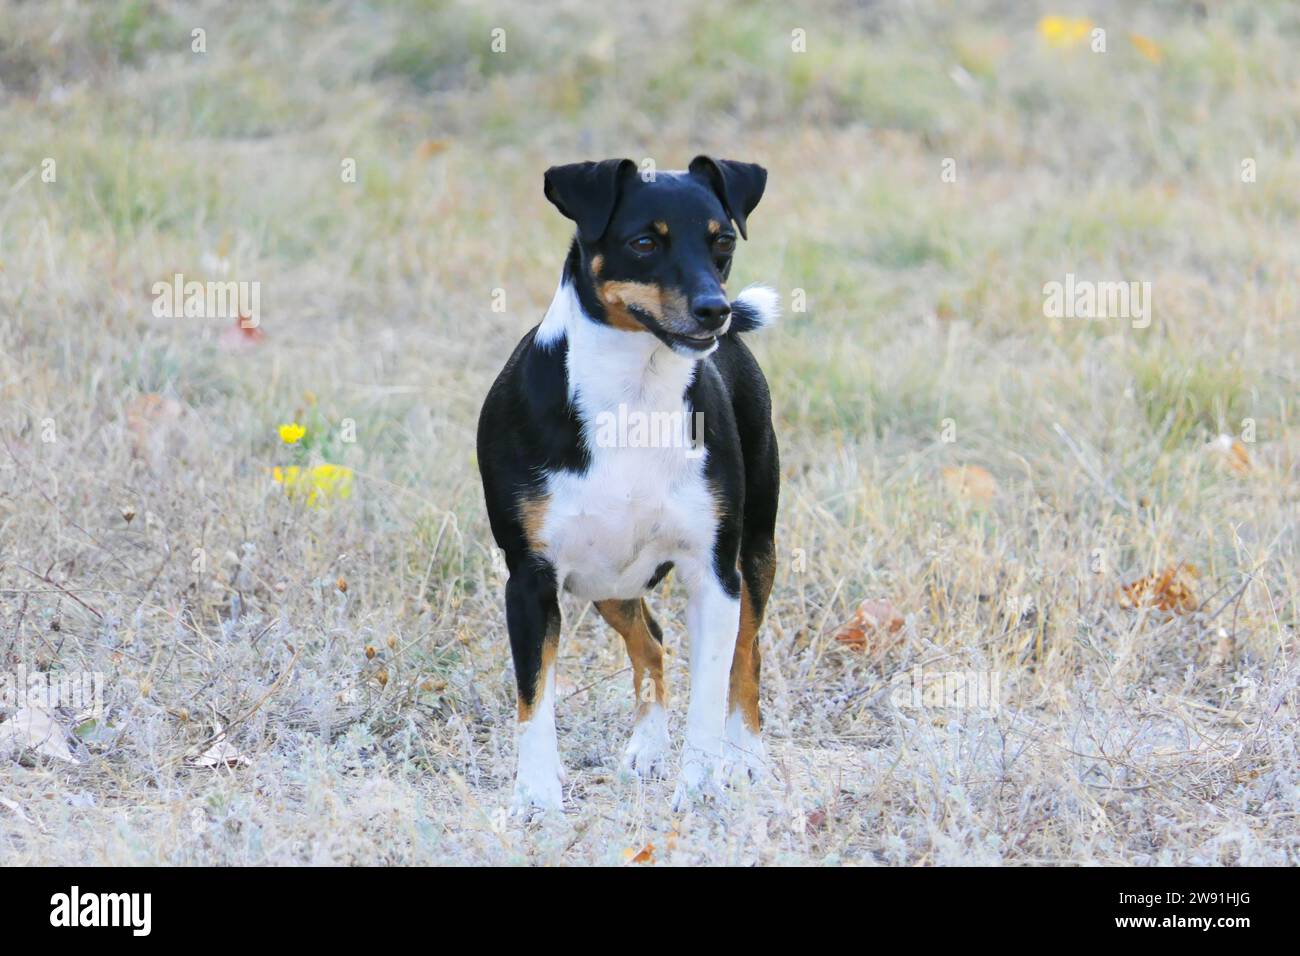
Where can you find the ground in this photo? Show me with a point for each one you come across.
(995, 470)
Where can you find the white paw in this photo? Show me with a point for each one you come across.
(647, 752)
(540, 778)
(745, 757)
(699, 780)
(537, 794)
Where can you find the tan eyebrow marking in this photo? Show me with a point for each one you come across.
(714, 227)
(597, 263)
(661, 227)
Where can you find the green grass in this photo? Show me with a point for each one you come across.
(1190, 401)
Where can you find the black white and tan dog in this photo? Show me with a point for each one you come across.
(582, 497)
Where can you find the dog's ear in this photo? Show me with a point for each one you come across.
(587, 192)
(738, 185)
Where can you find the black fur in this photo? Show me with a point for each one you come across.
(528, 427)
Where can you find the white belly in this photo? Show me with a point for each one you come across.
(608, 531)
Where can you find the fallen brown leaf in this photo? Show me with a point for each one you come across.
(431, 147)
(220, 754)
(646, 855)
(238, 337)
(874, 616)
(970, 482)
(1167, 590)
(31, 728)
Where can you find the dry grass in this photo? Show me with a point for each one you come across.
(1124, 736)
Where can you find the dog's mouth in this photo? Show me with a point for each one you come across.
(694, 344)
(701, 343)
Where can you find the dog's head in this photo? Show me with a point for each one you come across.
(655, 250)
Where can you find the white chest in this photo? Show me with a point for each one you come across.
(644, 500)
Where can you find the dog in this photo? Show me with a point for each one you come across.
(640, 330)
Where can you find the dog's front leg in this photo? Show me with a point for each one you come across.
(533, 619)
(712, 619)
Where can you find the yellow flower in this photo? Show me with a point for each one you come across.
(317, 484)
(330, 481)
(1064, 32)
(291, 433)
(1147, 47)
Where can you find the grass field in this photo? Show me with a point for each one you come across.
(996, 474)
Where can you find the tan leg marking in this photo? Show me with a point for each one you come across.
(746, 663)
(532, 515)
(632, 620)
(550, 644)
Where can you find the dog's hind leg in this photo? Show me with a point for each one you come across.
(744, 719)
(647, 751)
(533, 619)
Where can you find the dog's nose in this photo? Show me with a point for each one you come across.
(711, 311)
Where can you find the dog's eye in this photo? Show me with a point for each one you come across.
(724, 245)
(643, 245)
